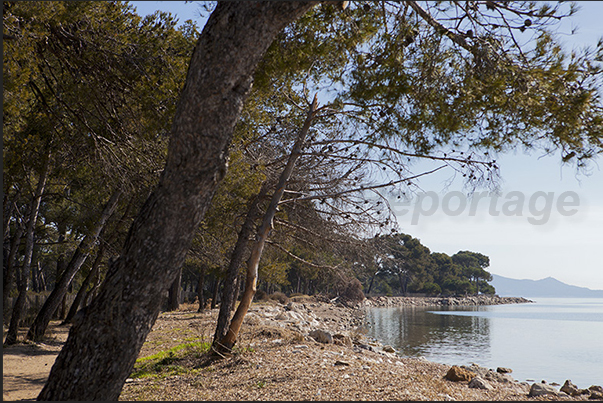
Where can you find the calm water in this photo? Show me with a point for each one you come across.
(553, 339)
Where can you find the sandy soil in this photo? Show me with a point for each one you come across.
(25, 366)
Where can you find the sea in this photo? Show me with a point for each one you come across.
(551, 339)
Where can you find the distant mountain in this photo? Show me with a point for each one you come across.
(545, 288)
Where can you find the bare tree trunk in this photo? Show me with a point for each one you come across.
(10, 266)
(117, 322)
(81, 294)
(228, 341)
(237, 290)
(11, 336)
(40, 323)
(61, 263)
(173, 302)
(236, 260)
(215, 289)
(200, 287)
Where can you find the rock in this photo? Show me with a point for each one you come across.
(458, 374)
(569, 388)
(479, 383)
(342, 339)
(542, 389)
(503, 370)
(389, 349)
(321, 336)
(347, 364)
(490, 375)
(596, 388)
(595, 395)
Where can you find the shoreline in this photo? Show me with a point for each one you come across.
(304, 349)
(383, 301)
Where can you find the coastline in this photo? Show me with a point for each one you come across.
(315, 349)
(304, 349)
(382, 301)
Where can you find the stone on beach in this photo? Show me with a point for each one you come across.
(569, 388)
(458, 374)
(490, 375)
(542, 389)
(321, 336)
(342, 339)
(389, 349)
(479, 383)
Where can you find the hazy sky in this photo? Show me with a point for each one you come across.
(566, 247)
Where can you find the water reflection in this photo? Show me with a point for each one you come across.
(419, 331)
(553, 339)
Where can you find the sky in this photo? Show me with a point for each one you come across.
(560, 236)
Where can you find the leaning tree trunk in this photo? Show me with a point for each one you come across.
(81, 294)
(236, 260)
(40, 323)
(104, 342)
(11, 336)
(229, 340)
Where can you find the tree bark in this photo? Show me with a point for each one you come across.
(173, 302)
(81, 294)
(61, 264)
(229, 340)
(236, 260)
(214, 294)
(200, 287)
(117, 321)
(237, 291)
(10, 266)
(38, 327)
(15, 319)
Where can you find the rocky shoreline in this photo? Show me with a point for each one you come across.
(307, 348)
(442, 301)
(311, 349)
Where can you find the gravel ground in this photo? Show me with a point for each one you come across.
(275, 359)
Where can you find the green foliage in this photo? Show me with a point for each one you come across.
(404, 262)
(93, 87)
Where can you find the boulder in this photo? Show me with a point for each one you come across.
(503, 370)
(479, 383)
(458, 374)
(569, 388)
(321, 336)
(595, 395)
(542, 389)
(596, 388)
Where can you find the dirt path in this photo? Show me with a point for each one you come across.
(25, 367)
